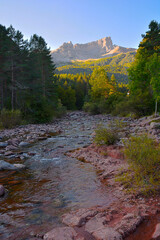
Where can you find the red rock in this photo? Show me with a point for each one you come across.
(128, 223)
(78, 218)
(156, 234)
(62, 233)
(106, 233)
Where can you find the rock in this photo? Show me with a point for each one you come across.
(6, 166)
(128, 223)
(98, 228)
(156, 234)
(19, 166)
(62, 233)
(155, 125)
(78, 218)
(107, 233)
(3, 144)
(2, 190)
(8, 153)
(96, 49)
(24, 144)
(95, 223)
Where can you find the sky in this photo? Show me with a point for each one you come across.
(81, 21)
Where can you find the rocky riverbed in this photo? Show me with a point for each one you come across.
(43, 151)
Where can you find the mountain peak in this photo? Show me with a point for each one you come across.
(93, 50)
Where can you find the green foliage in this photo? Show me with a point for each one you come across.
(144, 71)
(106, 136)
(9, 118)
(40, 111)
(143, 156)
(26, 76)
(101, 85)
(91, 107)
(72, 90)
(60, 110)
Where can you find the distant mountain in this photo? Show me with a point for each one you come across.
(93, 50)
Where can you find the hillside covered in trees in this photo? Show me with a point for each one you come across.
(116, 65)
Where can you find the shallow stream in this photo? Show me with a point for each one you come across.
(52, 184)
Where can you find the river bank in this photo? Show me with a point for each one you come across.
(56, 185)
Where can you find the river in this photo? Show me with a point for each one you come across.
(52, 184)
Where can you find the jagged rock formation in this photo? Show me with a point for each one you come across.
(92, 50)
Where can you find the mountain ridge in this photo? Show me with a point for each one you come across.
(98, 49)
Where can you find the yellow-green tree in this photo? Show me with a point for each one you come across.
(101, 85)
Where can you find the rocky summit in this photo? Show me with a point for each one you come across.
(93, 50)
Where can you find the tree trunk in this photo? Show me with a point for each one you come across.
(12, 80)
(2, 95)
(156, 108)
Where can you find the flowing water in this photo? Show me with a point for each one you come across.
(52, 184)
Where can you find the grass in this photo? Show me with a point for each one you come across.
(143, 156)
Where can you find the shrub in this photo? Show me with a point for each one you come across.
(10, 118)
(40, 111)
(143, 157)
(61, 110)
(91, 107)
(105, 136)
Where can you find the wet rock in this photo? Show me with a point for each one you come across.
(6, 166)
(2, 190)
(156, 234)
(62, 233)
(3, 144)
(78, 218)
(24, 144)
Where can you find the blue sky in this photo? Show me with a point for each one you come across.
(81, 21)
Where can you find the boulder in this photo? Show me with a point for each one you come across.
(107, 233)
(128, 223)
(98, 228)
(62, 233)
(78, 218)
(156, 234)
(2, 190)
